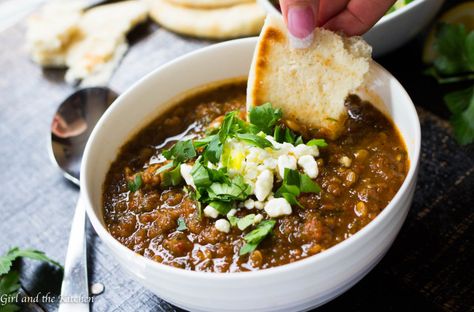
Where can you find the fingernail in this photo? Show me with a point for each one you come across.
(301, 24)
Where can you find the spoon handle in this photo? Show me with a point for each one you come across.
(74, 288)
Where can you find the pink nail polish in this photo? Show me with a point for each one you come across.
(301, 21)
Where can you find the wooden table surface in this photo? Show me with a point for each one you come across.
(429, 267)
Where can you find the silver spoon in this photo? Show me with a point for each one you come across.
(72, 124)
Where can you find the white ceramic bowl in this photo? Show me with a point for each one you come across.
(395, 29)
(296, 286)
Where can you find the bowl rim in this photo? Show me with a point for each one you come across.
(268, 6)
(228, 276)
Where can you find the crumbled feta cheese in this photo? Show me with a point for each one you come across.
(211, 212)
(223, 225)
(286, 161)
(278, 207)
(303, 150)
(345, 161)
(309, 165)
(257, 218)
(264, 185)
(259, 204)
(231, 212)
(249, 203)
(270, 163)
(185, 171)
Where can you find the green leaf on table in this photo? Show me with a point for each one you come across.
(461, 104)
(136, 183)
(181, 224)
(257, 235)
(15, 252)
(265, 117)
(455, 49)
(9, 288)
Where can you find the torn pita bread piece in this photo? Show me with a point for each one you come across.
(239, 20)
(51, 30)
(310, 85)
(102, 43)
(208, 4)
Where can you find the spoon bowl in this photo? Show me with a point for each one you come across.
(73, 123)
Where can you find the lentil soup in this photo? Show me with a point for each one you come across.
(202, 189)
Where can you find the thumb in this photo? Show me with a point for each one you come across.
(300, 17)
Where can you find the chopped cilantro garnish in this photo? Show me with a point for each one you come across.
(254, 140)
(233, 220)
(236, 189)
(172, 177)
(317, 142)
(222, 207)
(136, 183)
(181, 224)
(254, 238)
(181, 152)
(245, 222)
(200, 175)
(164, 168)
(295, 183)
(213, 150)
(265, 117)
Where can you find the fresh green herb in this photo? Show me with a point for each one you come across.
(227, 125)
(317, 142)
(237, 189)
(299, 140)
(200, 175)
(307, 185)
(213, 150)
(136, 183)
(254, 140)
(455, 48)
(181, 152)
(265, 117)
(295, 183)
(246, 221)
(222, 207)
(233, 220)
(204, 141)
(181, 224)
(289, 136)
(164, 168)
(461, 104)
(9, 288)
(14, 253)
(172, 177)
(254, 238)
(10, 279)
(454, 63)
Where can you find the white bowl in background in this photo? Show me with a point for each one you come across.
(300, 285)
(395, 29)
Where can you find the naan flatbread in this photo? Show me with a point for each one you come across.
(310, 85)
(221, 23)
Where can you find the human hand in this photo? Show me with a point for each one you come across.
(353, 17)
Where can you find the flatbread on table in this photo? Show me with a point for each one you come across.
(310, 85)
(208, 4)
(102, 43)
(51, 30)
(222, 23)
